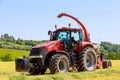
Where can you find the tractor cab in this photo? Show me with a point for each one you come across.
(66, 34)
(69, 36)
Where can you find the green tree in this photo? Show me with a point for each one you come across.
(6, 36)
(103, 50)
(112, 55)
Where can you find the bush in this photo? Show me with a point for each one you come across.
(7, 57)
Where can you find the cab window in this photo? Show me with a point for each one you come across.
(75, 34)
(63, 35)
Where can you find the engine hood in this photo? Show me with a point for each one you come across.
(51, 45)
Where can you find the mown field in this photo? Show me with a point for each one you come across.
(7, 72)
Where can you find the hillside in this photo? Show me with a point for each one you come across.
(9, 42)
(112, 51)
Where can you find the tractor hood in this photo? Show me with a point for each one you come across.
(52, 45)
(40, 51)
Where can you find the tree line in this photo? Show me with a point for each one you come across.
(7, 41)
(112, 51)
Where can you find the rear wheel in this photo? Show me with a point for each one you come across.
(87, 60)
(107, 64)
(58, 63)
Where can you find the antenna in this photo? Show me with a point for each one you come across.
(69, 24)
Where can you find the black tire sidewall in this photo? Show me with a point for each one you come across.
(54, 62)
(109, 64)
(90, 50)
(67, 63)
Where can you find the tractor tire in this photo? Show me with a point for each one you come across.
(58, 63)
(87, 60)
(36, 68)
(43, 70)
(107, 64)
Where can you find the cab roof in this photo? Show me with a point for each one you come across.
(67, 28)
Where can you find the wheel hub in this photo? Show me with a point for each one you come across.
(90, 60)
(62, 65)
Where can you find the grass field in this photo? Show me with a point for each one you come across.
(15, 53)
(7, 72)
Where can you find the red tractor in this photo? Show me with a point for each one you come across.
(68, 48)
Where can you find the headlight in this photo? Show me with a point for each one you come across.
(40, 56)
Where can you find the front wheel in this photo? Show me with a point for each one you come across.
(58, 63)
(34, 69)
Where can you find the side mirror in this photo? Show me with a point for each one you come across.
(49, 32)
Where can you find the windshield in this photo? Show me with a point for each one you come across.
(63, 35)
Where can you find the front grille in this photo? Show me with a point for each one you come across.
(38, 51)
(34, 52)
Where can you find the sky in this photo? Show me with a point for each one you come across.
(31, 19)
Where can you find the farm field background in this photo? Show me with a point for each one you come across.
(15, 53)
(7, 71)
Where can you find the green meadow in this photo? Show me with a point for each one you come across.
(13, 52)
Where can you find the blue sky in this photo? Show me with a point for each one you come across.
(31, 19)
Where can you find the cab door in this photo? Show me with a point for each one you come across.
(78, 39)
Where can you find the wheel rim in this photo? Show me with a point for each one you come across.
(62, 65)
(90, 60)
(109, 64)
